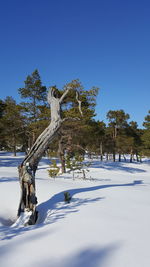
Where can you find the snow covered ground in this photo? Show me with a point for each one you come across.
(106, 224)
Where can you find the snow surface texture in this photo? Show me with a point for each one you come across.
(106, 224)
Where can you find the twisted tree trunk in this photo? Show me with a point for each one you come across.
(28, 167)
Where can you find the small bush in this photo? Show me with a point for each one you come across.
(54, 169)
(74, 163)
(67, 197)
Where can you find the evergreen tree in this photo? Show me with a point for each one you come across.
(117, 123)
(12, 122)
(72, 137)
(35, 108)
(146, 123)
(134, 133)
(95, 137)
(2, 108)
(146, 135)
(35, 93)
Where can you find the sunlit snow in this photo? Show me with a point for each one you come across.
(106, 224)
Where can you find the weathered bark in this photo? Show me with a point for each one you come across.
(28, 198)
(28, 167)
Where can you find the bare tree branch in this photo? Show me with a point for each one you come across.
(79, 102)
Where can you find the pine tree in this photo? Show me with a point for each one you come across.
(35, 107)
(12, 122)
(146, 135)
(2, 108)
(72, 137)
(134, 134)
(146, 123)
(117, 123)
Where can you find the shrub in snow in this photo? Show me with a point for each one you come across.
(67, 197)
(54, 169)
(76, 164)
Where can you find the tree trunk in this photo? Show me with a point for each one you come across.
(61, 155)
(14, 151)
(124, 157)
(131, 155)
(28, 167)
(14, 146)
(101, 151)
(114, 148)
(33, 138)
(114, 155)
(28, 198)
(137, 157)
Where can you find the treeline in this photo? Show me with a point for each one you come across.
(20, 124)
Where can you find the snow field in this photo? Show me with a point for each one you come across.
(106, 224)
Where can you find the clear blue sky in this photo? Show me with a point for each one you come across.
(104, 43)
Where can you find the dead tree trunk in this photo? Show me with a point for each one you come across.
(28, 167)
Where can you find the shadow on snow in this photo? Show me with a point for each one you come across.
(10, 161)
(89, 257)
(55, 209)
(8, 179)
(115, 166)
(48, 210)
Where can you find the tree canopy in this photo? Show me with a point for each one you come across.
(22, 123)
